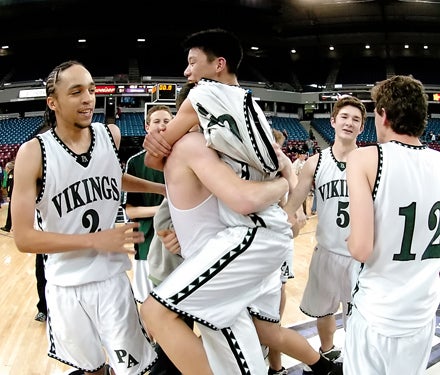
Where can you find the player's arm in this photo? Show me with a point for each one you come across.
(302, 188)
(240, 195)
(139, 185)
(361, 171)
(27, 174)
(158, 142)
(138, 212)
(299, 219)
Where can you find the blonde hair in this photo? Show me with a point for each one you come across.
(279, 136)
(158, 107)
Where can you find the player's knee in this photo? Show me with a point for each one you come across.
(268, 333)
(153, 313)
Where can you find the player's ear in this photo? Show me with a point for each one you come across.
(50, 103)
(221, 63)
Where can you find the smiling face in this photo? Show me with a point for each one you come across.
(73, 99)
(159, 118)
(348, 123)
(200, 65)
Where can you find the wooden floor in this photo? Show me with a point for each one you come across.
(23, 344)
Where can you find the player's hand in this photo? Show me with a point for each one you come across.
(119, 239)
(298, 222)
(284, 163)
(301, 217)
(155, 143)
(169, 240)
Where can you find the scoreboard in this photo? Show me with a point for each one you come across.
(164, 92)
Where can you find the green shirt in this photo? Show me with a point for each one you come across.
(136, 167)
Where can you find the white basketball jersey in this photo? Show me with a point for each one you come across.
(235, 126)
(80, 194)
(398, 290)
(205, 224)
(332, 203)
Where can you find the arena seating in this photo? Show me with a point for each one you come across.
(294, 128)
(19, 130)
(323, 127)
(369, 136)
(131, 124)
(16, 131)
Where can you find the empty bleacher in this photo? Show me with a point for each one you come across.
(293, 127)
(132, 124)
(324, 128)
(369, 136)
(14, 132)
(19, 130)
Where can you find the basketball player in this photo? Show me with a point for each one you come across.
(331, 268)
(70, 176)
(230, 117)
(142, 207)
(394, 210)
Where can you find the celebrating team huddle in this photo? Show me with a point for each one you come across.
(232, 211)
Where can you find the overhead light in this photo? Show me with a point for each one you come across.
(406, 46)
(421, 1)
(293, 51)
(425, 47)
(82, 40)
(367, 46)
(141, 40)
(5, 47)
(331, 48)
(254, 48)
(328, 2)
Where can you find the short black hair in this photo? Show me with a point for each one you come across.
(217, 43)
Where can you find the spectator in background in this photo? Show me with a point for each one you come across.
(9, 170)
(286, 136)
(118, 112)
(310, 146)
